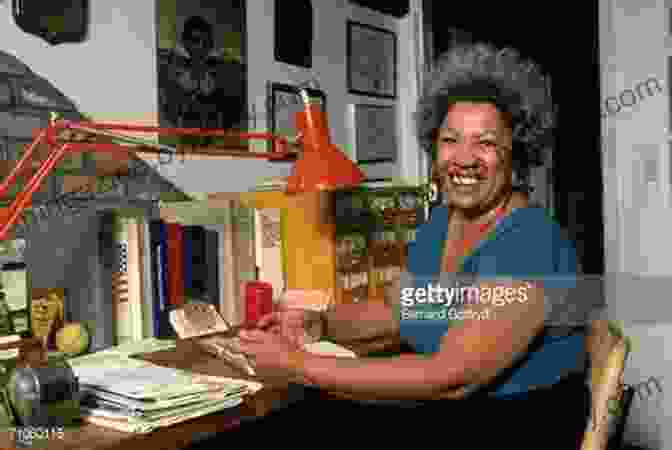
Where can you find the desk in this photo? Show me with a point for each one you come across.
(277, 393)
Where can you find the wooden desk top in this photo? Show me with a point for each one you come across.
(277, 393)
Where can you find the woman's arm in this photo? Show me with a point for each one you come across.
(472, 353)
(365, 320)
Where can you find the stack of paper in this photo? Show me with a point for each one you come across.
(133, 395)
(327, 348)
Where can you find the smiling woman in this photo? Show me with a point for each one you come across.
(483, 108)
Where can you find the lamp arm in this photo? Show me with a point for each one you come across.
(59, 147)
(21, 165)
(322, 165)
(22, 200)
(279, 151)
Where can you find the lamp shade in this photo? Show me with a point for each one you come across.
(322, 166)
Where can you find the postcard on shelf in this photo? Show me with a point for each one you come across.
(47, 314)
(197, 319)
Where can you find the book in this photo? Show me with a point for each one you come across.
(148, 319)
(269, 248)
(135, 275)
(229, 304)
(201, 264)
(211, 244)
(127, 282)
(189, 241)
(121, 312)
(175, 264)
(159, 261)
(243, 252)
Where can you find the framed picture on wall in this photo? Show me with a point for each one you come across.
(371, 60)
(284, 102)
(55, 21)
(15, 292)
(294, 45)
(202, 77)
(375, 133)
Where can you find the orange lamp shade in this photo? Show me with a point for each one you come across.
(322, 166)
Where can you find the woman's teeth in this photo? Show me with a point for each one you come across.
(463, 180)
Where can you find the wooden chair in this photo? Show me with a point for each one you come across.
(608, 354)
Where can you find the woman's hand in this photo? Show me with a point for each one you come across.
(298, 326)
(271, 351)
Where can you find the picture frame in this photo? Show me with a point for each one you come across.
(202, 70)
(15, 290)
(294, 45)
(371, 60)
(284, 102)
(47, 313)
(56, 22)
(375, 133)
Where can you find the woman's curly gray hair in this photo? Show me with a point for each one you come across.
(482, 72)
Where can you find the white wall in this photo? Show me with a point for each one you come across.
(112, 77)
(637, 213)
(112, 74)
(329, 67)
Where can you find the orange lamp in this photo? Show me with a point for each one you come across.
(322, 166)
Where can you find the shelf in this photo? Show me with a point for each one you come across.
(102, 169)
(392, 189)
(343, 230)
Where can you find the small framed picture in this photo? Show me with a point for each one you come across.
(47, 312)
(284, 102)
(201, 51)
(371, 60)
(375, 133)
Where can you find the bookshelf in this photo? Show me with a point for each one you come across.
(307, 256)
(308, 236)
(318, 230)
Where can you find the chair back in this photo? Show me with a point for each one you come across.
(608, 354)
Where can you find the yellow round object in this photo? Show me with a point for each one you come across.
(72, 339)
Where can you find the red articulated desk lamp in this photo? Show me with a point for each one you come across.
(321, 166)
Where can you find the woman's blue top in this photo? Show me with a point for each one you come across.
(527, 244)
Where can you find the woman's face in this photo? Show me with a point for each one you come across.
(474, 157)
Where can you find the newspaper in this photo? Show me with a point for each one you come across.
(132, 424)
(141, 380)
(134, 395)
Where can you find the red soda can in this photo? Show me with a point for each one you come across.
(258, 300)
